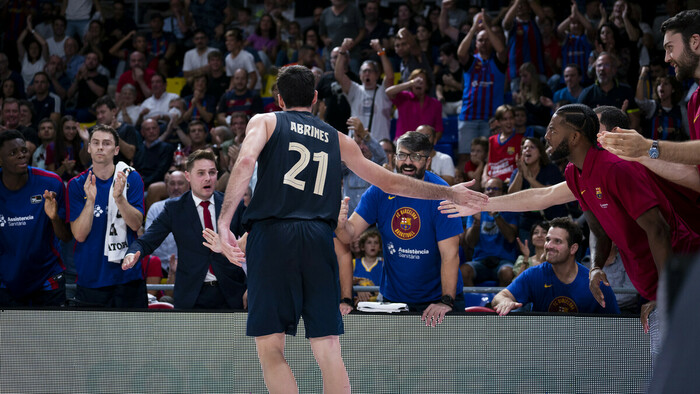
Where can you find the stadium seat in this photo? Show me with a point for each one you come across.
(450, 134)
(161, 305)
(479, 309)
(175, 85)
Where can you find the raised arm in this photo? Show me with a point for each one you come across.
(394, 90)
(464, 49)
(341, 65)
(444, 22)
(402, 185)
(510, 15)
(386, 63)
(499, 47)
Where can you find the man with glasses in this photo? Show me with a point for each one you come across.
(421, 261)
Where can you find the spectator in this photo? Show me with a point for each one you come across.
(175, 185)
(520, 124)
(339, 21)
(573, 88)
(375, 28)
(120, 24)
(265, 39)
(609, 39)
(421, 261)
(31, 270)
(128, 111)
(58, 39)
(34, 56)
(665, 118)
(64, 156)
(369, 102)
(78, 13)
(450, 81)
(609, 91)
(333, 106)
(240, 99)
(492, 235)
(353, 185)
(441, 164)
(552, 49)
(504, 146)
(138, 76)
(47, 135)
(527, 259)
(161, 45)
(524, 37)
(179, 22)
(94, 199)
(208, 15)
(27, 117)
(106, 111)
(390, 151)
(474, 167)
(73, 60)
(47, 14)
(240, 58)
(59, 83)
(407, 48)
(484, 82)
(367, 270)
(200, 104)
(530, 93)
(153, 157)
(415, 107)
(96, 41)
(576, 32)
(88, 86)
(46, 104)
(205, 280)
(565, 280)
(7, 73)
(158, 105)
(196, 59)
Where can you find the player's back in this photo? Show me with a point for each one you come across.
(298, 172)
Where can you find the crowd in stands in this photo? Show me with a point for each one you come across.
(163, 103)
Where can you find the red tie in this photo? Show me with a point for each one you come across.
(207, 215)
(207, 221)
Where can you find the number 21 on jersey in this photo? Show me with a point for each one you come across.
(290, 178)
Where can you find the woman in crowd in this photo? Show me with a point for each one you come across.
(666, 119)
(538, 234)
(264, 40)
(63, 156)
(414, 105)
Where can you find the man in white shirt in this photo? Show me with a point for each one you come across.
(56, 42)
(239, 58)
(156, 107)
(196, 61)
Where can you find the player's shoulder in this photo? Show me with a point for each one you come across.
(45, 176)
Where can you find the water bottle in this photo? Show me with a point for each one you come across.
(179, 155)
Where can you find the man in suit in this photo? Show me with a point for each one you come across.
(205, 280)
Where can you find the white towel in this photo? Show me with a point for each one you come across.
(115, 238)
(385, 307)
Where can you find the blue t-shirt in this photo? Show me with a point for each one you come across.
(374, 274)
(29, 251)
(540, 285)
(410, 229)
(92, 266)
(491, 241)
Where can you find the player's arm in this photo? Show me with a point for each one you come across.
(600, 255)
(401, 185)
(341, 65)
(630, 145)
(342, 251)
(525, 200)
(83, 224)
(256, 137)
(504, 302)
(449, 269)
(659, 235)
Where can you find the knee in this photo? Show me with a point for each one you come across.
(505, 273)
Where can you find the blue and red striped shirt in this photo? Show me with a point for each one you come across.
(484, 84)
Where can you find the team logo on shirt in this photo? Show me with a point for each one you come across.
(35, 199)
(511, 150)
(563, 304)
(98, 211)
(3, 222)
(406, 223)
(598, 193)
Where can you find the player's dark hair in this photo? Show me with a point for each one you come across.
(575, 235)
(685, 22)
(10, 135)
(199, 154)
(612, 117)
(105, 129)
(415, 142)
(106, 100)
(582, 118)
(296, 86)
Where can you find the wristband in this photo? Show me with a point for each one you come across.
(381, 53)
(346, 300)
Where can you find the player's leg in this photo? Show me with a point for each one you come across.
(276, 372)
(327, 353)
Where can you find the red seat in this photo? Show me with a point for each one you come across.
(479, 309)
(160, 305)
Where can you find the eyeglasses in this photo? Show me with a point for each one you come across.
(493, 189)
(412, 156)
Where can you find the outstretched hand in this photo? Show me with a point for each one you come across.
(225, 242)
(130, 260)
(626, 144)
(453, 210)
(596, 276)
(464, 196)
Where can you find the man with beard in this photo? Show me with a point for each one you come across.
(421, 261)
(622, 202)
(560, 284)
(675, 161)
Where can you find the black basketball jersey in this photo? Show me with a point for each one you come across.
(298, 172)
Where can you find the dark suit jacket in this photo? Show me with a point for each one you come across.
(180, 217)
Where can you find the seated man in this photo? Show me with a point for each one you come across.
(158, 105)
(205, 280)
(240, 99)
(153, 157)
(492, 235)
(560, 284)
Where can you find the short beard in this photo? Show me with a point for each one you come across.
(418, 174)
(560, 153)
(687, 64)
